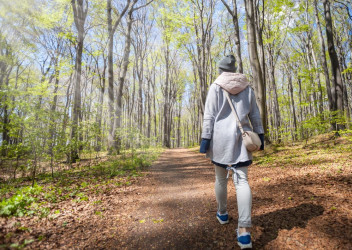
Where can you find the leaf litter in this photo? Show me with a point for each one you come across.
(302, 198)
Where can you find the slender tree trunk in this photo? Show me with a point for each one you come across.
(346, 103)
(343, 66)
(167, 99)
(300, 106)
(155, 111)
(122, 77)
(149, 110)
(100, 107)
(331, 94)
(335, 69)
(80, 14)
(179, 124)
(255, 64)
(234, 15)
(237, 37)
(112, 145)
(65, 112)
(290, 86)
(77, 103)
(140, 95)
(313, 103)
(111, 135)
(52, 125)
(259, 32)
(275, 95)
(317, 77)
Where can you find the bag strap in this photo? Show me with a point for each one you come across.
(233, 111)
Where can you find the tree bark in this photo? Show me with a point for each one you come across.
(111, 31)
(102, 80)
(52, 124)
(167, 99)
(323, 60)
(290, 86)
(79, 14)
(259, 31)
(335, 69)
(276, 107)
(255, 64)
(122, 77)
(234, 15)
(317, 77)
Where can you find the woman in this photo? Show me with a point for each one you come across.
(222, 141)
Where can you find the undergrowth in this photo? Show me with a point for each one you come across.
(323, 150)
(21, 199)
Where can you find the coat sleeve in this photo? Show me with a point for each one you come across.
(254, 114)
(210, 112)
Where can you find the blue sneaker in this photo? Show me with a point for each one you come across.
(244, 240)
(223, 218)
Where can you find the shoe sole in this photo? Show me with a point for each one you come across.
(221, 221)
(244, 246)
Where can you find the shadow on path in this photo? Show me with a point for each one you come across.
(287, 218)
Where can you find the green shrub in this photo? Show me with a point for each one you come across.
(18, 204)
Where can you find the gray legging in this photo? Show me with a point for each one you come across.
(243, 192)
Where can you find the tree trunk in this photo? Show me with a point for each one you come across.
(234, 15)
(111, 135)
(179, 124)
(323, 59)
(255, 64)
(259, 31)
(313, 102)
(102, 81)
(140, 94)
(149, 109)
(317, 77)
(123, 72)
(275, 95)
(335, 69)
(154, 108)
(112, 145)
(79, 14)
(52, 124)
(300, 106)
(167, 99)
(290, 87)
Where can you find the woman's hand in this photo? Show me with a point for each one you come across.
(204, 145)
(261, 136)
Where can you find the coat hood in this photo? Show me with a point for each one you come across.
(233, 83)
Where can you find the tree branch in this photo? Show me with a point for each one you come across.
(346, 7)
(74, 7)
(142, 6)
(128, 5)
(228, 8)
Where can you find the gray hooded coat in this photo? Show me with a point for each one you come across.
(220, 124)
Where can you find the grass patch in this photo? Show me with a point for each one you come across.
(21, 199)
(322, 152)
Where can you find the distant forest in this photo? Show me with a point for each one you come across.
(84, 77)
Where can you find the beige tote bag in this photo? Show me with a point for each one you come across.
(250, 139)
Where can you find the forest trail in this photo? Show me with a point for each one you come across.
(176, 210)
(173, 206)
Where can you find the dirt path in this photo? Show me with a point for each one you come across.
(174, 207)
(176, 210)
